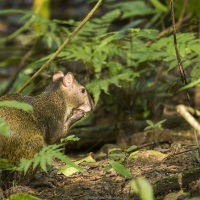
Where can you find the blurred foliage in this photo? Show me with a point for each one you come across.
(42, 8)
(127, 51)
(142, 188)
(22, 196)
(44, 158)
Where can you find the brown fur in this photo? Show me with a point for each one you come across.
(54, 111)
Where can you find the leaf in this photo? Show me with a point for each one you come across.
(43, 163)
(131, 148)
(150, 123)
(69, 171)
(22, 197)
(196, 48)
(107, 168)
(44, 157)
(70, 138)
(160, 123)
(133, 155)
(16, 104)
(10, 11)
(148, 128)
(89, 159)
(24, 165)
(192, 84)
(115, 150)
(143, 188)
(65, 159)
(135, 8)
(159, 6)
(97, 85)
(36, 160)
(4, 130)
(120, 169)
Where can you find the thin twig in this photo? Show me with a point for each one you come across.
(180, 65)
(68, 39)
(183, 76)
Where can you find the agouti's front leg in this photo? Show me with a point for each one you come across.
(77, 114)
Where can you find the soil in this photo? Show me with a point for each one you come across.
(170, 165)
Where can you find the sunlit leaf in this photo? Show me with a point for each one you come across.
(69, 171)
(22, 196)
(143, 188)
(120, 169)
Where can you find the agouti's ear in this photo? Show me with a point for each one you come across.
(68, 79)
(58, 75)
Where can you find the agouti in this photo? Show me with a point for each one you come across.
(63, 102)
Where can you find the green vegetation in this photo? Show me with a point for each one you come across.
(126, 54)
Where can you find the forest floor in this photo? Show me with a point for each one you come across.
(171, 167)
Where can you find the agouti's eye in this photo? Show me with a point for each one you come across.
(83, 90)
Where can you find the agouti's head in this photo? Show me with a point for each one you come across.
(76, 94)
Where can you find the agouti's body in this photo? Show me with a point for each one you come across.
(63, 102)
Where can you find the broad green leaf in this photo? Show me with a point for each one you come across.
(120, 169)
(143, 188)
(16, 104)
